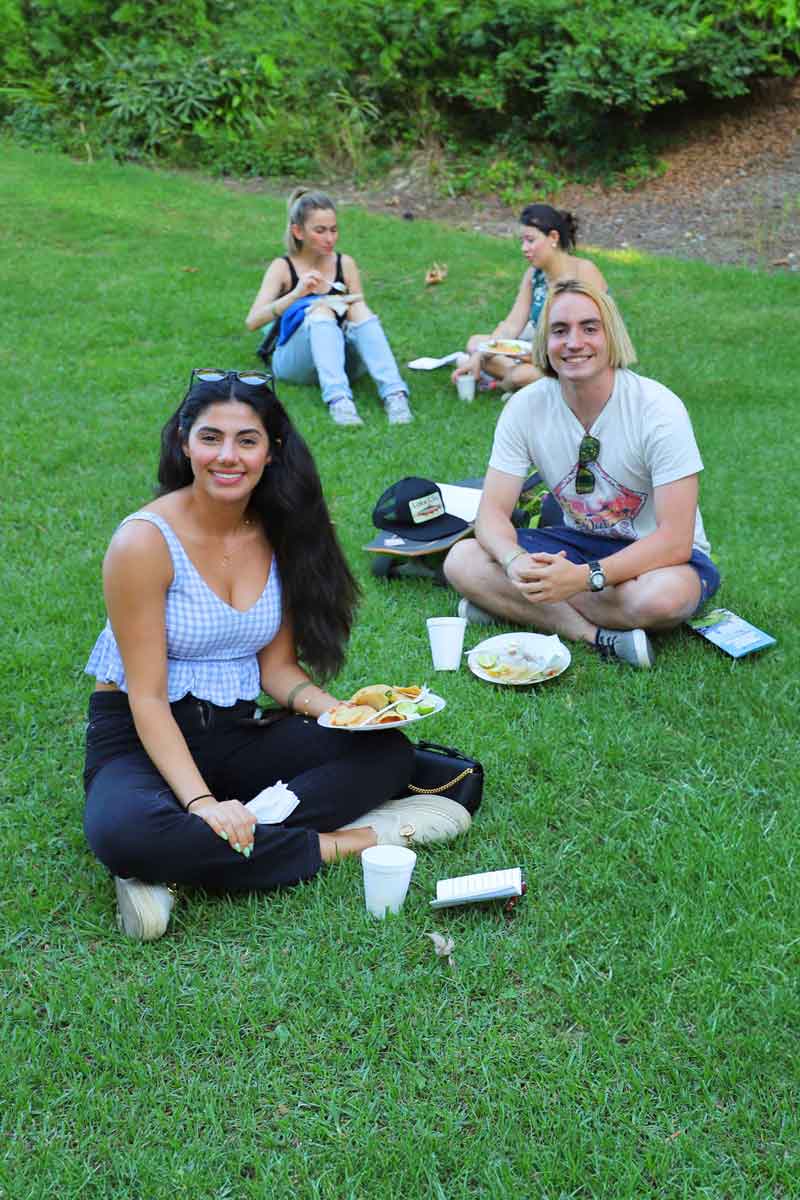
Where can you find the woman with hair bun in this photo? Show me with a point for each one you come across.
(548, 239)
(228, 584)
(315, 342)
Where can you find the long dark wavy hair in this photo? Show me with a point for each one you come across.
(320, 593)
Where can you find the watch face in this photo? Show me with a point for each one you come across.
(597, 581)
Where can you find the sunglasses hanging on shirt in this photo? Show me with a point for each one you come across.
(588, 452)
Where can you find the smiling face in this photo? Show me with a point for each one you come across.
(537, 246)
(228, 448)
(320, 232)
(576, 339)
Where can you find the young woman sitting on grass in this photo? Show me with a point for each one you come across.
(547, 237)
(216, 591)
(318, 343)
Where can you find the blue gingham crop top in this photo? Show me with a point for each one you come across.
(211, 646)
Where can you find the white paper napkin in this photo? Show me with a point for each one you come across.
(426, 363)
(339, 304)
(273, 804)
(551, 652)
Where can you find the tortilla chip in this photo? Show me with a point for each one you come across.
(352, 714)
(377, 694)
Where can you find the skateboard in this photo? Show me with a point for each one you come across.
(400, 558)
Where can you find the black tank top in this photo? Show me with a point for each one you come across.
(338, 278)
(267, 347)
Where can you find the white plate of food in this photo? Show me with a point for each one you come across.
(519, 659)
(513, 347)
(382, 706)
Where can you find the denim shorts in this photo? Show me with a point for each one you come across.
(584, 547)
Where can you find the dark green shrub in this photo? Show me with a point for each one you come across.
(325, 82)
(157, 97)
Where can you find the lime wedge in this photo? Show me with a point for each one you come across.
(485, 660)
(406, 709)
(426, 707)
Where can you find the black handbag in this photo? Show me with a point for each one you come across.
(443, 771)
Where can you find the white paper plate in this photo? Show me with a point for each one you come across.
(511, 347)
(537, 644)
(325, 720)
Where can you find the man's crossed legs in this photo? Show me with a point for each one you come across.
(614, 620)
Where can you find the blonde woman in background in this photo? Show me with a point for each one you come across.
(315, 342)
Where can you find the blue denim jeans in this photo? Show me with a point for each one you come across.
(323, 351)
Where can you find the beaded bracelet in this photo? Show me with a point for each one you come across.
(295, 690)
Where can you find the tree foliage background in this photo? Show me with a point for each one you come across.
(246, 87)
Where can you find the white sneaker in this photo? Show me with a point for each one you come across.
(415, 821)
(397, 409)
(344, 412)
(143, 909)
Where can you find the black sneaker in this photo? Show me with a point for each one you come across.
(631, 646)
(474, 614)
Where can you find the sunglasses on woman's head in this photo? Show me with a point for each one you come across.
(588, 452)
(215, 375)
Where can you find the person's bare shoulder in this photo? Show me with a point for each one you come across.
(350, 271)
(587, 272)
(278, 272)
(138, 551)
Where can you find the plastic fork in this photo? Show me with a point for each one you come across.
(417, 700)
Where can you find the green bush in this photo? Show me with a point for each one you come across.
(154, 97)
(321, 82)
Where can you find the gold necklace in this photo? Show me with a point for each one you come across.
(228, 557)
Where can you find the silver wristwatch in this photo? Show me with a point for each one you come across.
(597, 577)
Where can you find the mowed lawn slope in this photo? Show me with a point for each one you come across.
(631, 1031)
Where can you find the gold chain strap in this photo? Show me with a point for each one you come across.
(444, 786)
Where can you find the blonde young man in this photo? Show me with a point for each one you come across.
(619, 454)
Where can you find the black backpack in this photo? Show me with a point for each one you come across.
(267, 346)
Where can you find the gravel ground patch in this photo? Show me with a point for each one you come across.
(730, 192)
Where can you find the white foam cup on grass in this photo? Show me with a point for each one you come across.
(466, 387)
(387, 874)
(446, 636)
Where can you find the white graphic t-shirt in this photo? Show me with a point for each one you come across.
(646, 440)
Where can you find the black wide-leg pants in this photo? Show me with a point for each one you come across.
(136, 826)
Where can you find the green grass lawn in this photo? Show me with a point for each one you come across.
(631, 1031)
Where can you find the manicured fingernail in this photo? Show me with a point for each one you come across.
(237, 846)
(248, 850)
(223, 834)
